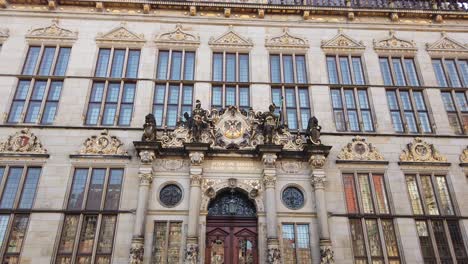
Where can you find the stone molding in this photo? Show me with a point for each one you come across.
(342, 42)
(446, 45)
(4, 34)
(53, 32)
(359, 150)
(286, 40)
(147, 156)
(395, 44)
(178, 37)
(421, 151)
(23, 142)
(464, 155)
(121, 35)
(196, 158)
(317, 161)
(269, 159)
(103, 145)
(231, 39)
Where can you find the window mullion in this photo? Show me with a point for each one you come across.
(165, 251)
(405, 72)
(392, 71)
(39, 60)
(457, 110)
(24, 174)
(296, 253)
(96, 238)
(294, 68)
(3, 246)
(104, 188)
(182, 66)
(54, 60)
(345, 108)
(436, 193)
(165, 103)
(338, 69)
(298, 109)
(169, 66)
(416, 111)
(366, 239)
(77, 238)
(3, 181)
(358, 193)
(382, 240)
(86, 189)
(358, 109)
(44, 101)
(281, 68)
(433, 241)
(421, 194)
(27, 100)
(109, 63)
(103, 102)
(119, 103)
(179, 101)
(351, 69)
(373, 194)
(449, 241)
(402, 110)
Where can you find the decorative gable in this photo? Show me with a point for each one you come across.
(286, 41)
(52, 32)
(359, 150)
(121, 35)
(394, 44)
(22, 143)
(4, 34)
(446, 44)
(178, 37)
(420, 151)
(102, 145)
(342, 42)
(231, 39)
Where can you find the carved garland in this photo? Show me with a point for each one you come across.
(392, 43)
(420, 151)
(286, 41)
(103, 144)
(52, 32)
(22, 142)
(120, 34)
(342, 42)
(359, 149)
(231, 39)
(447, 45)
(178, 37)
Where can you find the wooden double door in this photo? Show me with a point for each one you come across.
(231, 240)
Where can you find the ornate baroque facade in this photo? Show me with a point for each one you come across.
(233, 132)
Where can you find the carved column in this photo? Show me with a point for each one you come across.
(269, 180)
(145, 173)
(318, 179)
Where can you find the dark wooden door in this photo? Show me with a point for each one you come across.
(231, 240)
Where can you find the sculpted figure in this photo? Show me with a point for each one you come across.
(313, 131)
(270, 124)
(149, 128)
(198, 121)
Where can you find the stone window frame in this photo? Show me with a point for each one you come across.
(83, 212)
(237, 83)
(302, 124)
(429, 219)
(167, 239)
(451, 90)
(33, 78)
(168, 82)
(295, 224)
(362, 217)
(16, 212)
(123, 80)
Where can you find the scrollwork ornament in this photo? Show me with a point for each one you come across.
(147, 156)
(464, 156)
(274, 256)
(136, 252)
(359, 149)
(269, 180)
(23, 142)
(326, 254)
(196, 158)
(103, 144)
(146, 178)
(317, 161)
(420, 151)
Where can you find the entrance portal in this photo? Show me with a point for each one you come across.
(231, 229)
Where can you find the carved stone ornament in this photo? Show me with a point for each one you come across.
(464, 156)
(342, 42)
(230, 128)
(392, 43)
(286, 41)
(136, 251)
(274, 256)
(326, 254)
(178, 37)
(359, 149)
(4, 34)
(420, 151)
(290, 167)
(120, 34)
(269, 159)
(196, 158)
(313, 131)
(103, 144)
(447, 45)
(269, 180)
(149, 128)
(317, 161)
(231, 39)
(191, 255)
(146, 178)
(22, 142)
(147, 156)
(52, 32)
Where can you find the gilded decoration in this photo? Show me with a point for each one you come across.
(120, 35)
(103, 144)
(22, 142)
(446, 44)
(286, 41)
(393, 43)
(464, 156)
(359, 149)
(231, 39)
(420, 151)
(342, 42)
(4, 34)
(52, 32)
(178, 37)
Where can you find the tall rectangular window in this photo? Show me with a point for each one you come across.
(167, 242)
(296, 243)
(345, 70)
(90, 222)
(18, 186)
(113, 92)
(173, 92)
(38, 91)
(436, 222)
(230, 80)
(289, 89)
(370, 219)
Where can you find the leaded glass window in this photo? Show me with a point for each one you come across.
(114, 86)
(38, 91)
(230, 80)
(351, 110)
(456, 106)
(296, 243)
(167, 242)
(170, 195)
(370, 219)
(173, 91)
(91, 218)
(293, 198)
(430, 197)
(345, 70)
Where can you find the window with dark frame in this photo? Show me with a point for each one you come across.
(437, 225)
(230, 80)
(452, 77)
(408, 108)
(370, 219)
(89, 225)
(40, 85)
(114, 85)
(289, 89)
(296, 243)
(173, 94)
(18, 185)
(167, 242)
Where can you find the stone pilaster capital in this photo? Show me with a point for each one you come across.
(269, 180)
(147, 156)
(196, 179)
(318, 181)
(137, 250)
(269, 160)
(196, 158)
(146, 178)
(317, 161)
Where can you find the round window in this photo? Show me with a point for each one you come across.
(293, 198)
(170, 195)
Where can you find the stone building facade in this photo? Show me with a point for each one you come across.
(247, 175)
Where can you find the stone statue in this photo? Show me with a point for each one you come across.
(149, 128)
(270, 124)
(313, 131)
(197, 122)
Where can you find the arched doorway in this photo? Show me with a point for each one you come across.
(231, 229)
